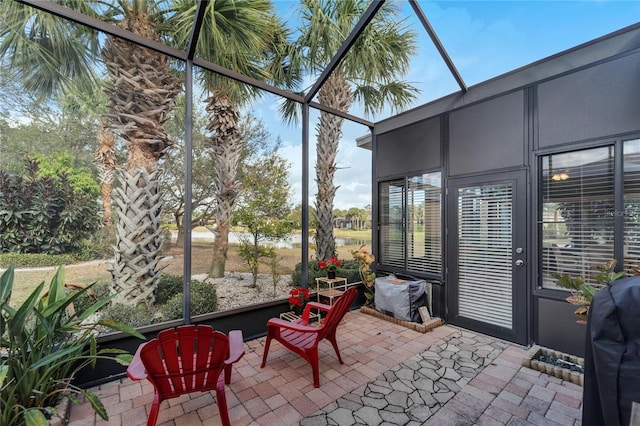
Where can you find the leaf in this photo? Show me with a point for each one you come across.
(56, 288)
(4, 369)
(121, 327)
(34, 417)
(57, 355)
(17, 323)
(6, 284)
(124, 359)
(97, 404)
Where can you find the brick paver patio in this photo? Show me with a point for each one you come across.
(387, 377)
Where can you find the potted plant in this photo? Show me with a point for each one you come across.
(43, 343)
(582, 293)
(368, 278)
(330, 265)
(298, 298)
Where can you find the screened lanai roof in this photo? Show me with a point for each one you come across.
(458, 43)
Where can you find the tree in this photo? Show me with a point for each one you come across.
(48, 53)
(370, 73)
(245, 36)
(203, 173)
(80, 178)
(203, 204)
(90, 104)
(263, 208)
(31, 125)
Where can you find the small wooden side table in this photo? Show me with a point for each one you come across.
(336, 286)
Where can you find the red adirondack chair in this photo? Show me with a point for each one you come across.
(301, 338)
(187, 359)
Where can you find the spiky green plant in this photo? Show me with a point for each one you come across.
(582, 293)
(43, 343)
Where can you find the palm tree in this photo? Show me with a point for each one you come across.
(141, 97)
(89, 104)
(244, 36)
(48, 53)
(369, 73)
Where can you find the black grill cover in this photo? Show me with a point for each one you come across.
(612, 356)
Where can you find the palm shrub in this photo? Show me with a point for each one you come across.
(43, 343)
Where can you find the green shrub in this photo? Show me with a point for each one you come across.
(98, 245)
(43, 214)
(133, 316)
(349, 270)
(169, 286)
(22, 260)
(204, 299)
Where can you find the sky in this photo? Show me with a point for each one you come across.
(483, 38)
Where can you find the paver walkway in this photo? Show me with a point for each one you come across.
(391, 376)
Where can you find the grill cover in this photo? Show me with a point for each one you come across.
(612, 356)
(400, 296)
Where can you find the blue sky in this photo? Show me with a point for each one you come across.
(484, 39)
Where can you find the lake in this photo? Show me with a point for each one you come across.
(293, 241)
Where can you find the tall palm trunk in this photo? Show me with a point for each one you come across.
(141, 97)
(335, 93)
(105, 159)
(227, 148)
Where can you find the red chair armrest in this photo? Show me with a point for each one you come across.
(136, 370)
(277, 322)
(236, 346)
(316, 305)
(313, 305)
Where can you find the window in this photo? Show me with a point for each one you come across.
(582, 208)
(410, 237)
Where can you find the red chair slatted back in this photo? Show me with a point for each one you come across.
(337, 312)
(187, 359)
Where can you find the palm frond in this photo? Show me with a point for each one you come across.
(46, 52)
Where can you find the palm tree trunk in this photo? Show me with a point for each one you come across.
(136, 268)
(141, 98)
(105, 159)
(227, 148)
(335, 93)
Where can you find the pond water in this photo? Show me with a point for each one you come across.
(293, 241)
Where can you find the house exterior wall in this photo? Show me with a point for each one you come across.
(570, 100)
(488, 136)
(398, 152)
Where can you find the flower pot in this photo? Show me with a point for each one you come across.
(331, 274)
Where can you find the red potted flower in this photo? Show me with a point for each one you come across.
(298, 298)
(330, 265)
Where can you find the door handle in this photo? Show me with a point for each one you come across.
(519, 262)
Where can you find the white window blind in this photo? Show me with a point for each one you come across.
(391, 221)
(424, 231)
(485, 254)
(632, 207)
(578, 213)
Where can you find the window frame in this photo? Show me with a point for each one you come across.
(406, 182)
(617, 144)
